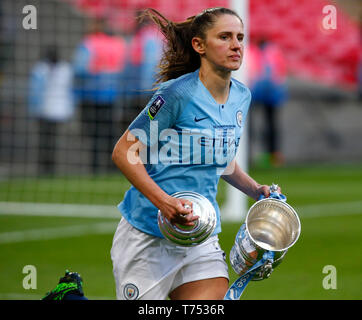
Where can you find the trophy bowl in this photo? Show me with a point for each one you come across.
(271, 225)
(203, 227)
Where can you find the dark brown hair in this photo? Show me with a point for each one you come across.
(179, 57)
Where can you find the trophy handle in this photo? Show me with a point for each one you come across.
(274, 194)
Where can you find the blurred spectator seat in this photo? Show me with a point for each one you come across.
(295, 26)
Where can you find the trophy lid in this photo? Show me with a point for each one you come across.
(190, 235)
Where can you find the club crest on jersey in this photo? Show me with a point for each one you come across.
(130, 291)
(239, 118)
(155, 107)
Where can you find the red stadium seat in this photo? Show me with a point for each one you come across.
(295, 26)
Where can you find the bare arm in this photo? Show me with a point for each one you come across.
(126, 155)
(239, 179)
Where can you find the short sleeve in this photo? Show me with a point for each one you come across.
(160, 113)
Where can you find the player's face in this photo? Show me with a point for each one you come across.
(224, 43)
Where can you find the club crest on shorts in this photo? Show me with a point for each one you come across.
(239, 118)
(130, 291)
(155, 107)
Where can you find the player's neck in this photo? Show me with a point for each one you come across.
(218, 83)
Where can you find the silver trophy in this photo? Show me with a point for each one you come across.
(203, 227)
(271, 225)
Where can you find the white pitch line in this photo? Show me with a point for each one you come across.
(59, 210)
(86, 211)
(58, 232)
(330, 209)
(109, 211)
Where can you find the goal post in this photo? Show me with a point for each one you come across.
(235, 206)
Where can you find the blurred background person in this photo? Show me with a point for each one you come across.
(99, 63)
(359, 75)
(267, 75)
(51, 102)
(145, 49)
(145, 53)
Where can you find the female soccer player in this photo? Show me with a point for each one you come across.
(185, 139)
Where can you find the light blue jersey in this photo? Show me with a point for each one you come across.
(190, 140)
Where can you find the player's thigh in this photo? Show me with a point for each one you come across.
(206, 289)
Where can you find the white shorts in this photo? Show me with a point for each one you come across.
(149, 268)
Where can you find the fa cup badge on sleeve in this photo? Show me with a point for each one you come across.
(271, 227)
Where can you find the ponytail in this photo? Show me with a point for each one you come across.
(179, 57)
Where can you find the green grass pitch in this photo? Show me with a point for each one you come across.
(327, 198)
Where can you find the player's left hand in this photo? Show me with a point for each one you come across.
(264, 190)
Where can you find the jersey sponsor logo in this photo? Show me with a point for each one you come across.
(216, 146)
(239, 118)
(155, 107)
(200, 119)
(130, 291)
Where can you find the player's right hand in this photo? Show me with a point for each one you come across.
(179, 211)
